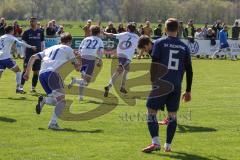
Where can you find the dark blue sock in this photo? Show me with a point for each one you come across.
(34, 80)
(22, 80)
(171, 129)
(153, 125)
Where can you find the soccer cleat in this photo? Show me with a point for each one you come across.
(123, 90)
(106, 91)
(164, 122)
(73, 81)
(151, 148)
(167, 148)
(20, 91)
(53, 126)
(40, 104)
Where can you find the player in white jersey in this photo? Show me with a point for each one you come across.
(52, 59)
(91, 50)
(128, 42)
(6, 43)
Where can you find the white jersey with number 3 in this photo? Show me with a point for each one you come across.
(6, 43)
(127, 44)
(54, 57)
(91, 46)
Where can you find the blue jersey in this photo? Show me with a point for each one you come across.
(175, 55)
(33, 38)
(223, 37)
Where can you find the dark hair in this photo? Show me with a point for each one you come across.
(8, 29)
(131, 27)
(66, 38)
(143, 41)
(33, 19)
(95, 30)
(172, 25)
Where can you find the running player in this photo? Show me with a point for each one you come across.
(224, 45)
(91, 50)
(52, 59)
(35, 37)
(127, 46)
(6, 42)
(175, 55)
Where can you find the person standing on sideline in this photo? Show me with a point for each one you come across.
(86, 29)
(33, 37)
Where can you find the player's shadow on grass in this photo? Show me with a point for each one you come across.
(184, 156)
(8, 120)
(192, 129)
(76, 131)
(17, 99)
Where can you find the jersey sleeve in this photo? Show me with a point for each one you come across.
(21, 43)
(81, 45)
(188, 69)
(119, 36)
(41, 55)
(24, 36)
(42, 37)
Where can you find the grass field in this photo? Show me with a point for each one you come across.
(208, 127)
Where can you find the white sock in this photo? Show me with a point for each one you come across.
(155, 140)
(18, 79)
(57, 111)
(166, 145)
(54, 118)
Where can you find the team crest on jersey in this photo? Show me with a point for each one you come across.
(194, 47)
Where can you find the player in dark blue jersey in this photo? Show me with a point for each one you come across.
(174, 55)
(34, 37)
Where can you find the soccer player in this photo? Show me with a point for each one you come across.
(52, 59)
(127, 45)
(224, 45)
(91, 51)
(6, 42)
(35, 37)
(175, 55)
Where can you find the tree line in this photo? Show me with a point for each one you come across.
(122, 10)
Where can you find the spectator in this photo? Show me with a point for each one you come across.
(147, 30)
(3, 24)
(199, 34)
(111, 29)
(205, 30)
(61, 31)
(86, 28)
(158, 31)
(121, 28)
(190, 30)
(55, 26)
(235, 31)
(217, 27)
(50, 31)
(181, 31)
(17, 29)
(211, 36)
(139, 31)
(39, 26)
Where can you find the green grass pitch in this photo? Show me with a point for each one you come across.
(208, 126)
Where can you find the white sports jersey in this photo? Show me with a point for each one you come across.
(54, 57)
(127, 45)
(6, 42)
(91, 46)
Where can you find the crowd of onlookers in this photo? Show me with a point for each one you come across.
(189, 30)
